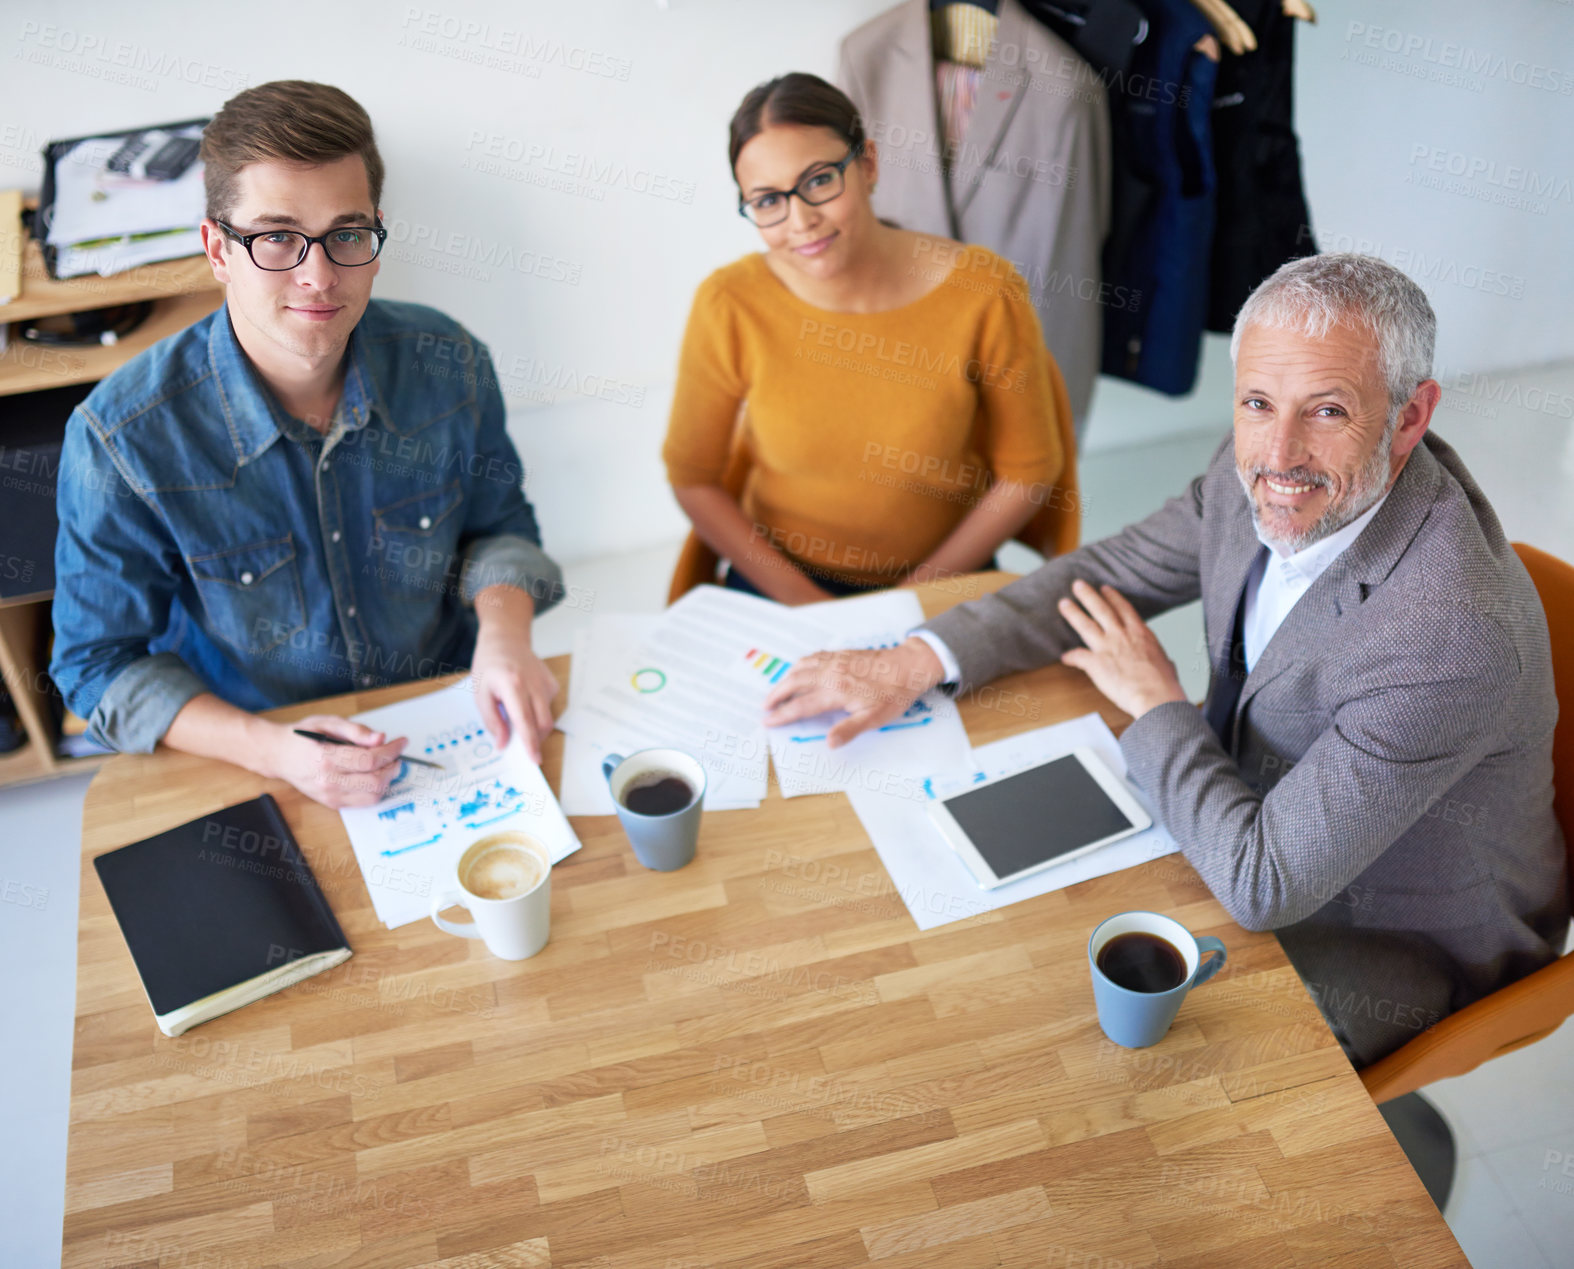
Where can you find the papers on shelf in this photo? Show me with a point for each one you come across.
(12, 242)
(93, 202)
(107, 221)
(116, 255)
(934, 883)
(407, 844)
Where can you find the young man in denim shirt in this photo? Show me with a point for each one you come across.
(308, 492)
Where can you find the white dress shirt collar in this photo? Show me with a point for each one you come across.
(1312, 562)
(1276, 582)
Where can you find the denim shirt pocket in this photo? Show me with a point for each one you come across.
(251, 594)
(416, 542)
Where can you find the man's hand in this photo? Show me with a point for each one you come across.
(1123, 656)
(507, 673)
(874, 687)
(357, 774)
(513, 688)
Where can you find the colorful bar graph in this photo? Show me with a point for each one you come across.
(771, 667)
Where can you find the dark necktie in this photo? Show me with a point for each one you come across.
(1225, 690)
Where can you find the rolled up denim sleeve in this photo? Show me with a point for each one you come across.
(501, 542)
(115, 571)
(511, 561)
(141, 702)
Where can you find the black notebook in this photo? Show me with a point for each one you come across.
(220, 912)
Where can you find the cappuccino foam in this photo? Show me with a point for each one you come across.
(504, 872)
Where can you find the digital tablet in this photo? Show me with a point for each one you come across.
(1019, 824)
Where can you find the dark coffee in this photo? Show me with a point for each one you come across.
(657, 793)
(1142, 962)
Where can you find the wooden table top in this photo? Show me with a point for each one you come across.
(755, 1061)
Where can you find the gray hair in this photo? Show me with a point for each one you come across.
(1316, 293)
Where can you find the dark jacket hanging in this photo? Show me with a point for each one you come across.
(1163, 203)
(1262, 216)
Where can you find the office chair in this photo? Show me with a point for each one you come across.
(1523, 1012)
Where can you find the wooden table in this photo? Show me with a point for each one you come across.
(755, 1061)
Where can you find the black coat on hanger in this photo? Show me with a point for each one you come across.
(1103, 32)
(1262, 215)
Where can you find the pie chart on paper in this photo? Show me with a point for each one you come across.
(648, 680)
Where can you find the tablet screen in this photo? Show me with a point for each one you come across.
(1036, 815)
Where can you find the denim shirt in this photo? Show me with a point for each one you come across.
(209, 542)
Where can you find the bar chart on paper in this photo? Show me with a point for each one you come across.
(770, 668)
(406, 845)
(919, 714)
(928, 736)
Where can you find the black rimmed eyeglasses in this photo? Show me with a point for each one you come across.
(278, 250)
(819, 186)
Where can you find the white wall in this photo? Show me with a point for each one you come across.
(642, 94)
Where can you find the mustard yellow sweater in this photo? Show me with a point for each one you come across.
(871, 434)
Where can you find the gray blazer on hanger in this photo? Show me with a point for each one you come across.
(1387, 807)
(1029, 180)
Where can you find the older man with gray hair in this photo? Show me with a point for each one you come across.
(1371, 773)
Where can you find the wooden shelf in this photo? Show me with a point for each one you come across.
(37, 597)
(26, 367)
(183, 291)
(42, 296)
(26, 766)
(23, 766)
(24, 642)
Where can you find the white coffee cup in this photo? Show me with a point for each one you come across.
(504, 880)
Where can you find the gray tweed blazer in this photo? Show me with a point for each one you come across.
(1386, 806)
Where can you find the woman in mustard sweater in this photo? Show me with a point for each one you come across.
(898, 404)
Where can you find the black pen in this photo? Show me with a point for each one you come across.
(326, 739)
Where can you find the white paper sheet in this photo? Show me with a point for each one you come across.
(933, 881)
(928, 737)
(407, 844)
(93, 202)
(583, 789)
(697, 681)
(116, 256)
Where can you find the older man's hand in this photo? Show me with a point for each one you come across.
(874, 687)
(1123, 656)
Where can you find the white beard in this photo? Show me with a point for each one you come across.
(1370, 483)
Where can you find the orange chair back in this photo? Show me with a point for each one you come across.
(1555, 584)
(1536, 1005)
(697, 563)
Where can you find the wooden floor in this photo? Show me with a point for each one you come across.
(754, 1061)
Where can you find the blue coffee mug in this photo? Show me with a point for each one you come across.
(661, 843)
(1136, 1019)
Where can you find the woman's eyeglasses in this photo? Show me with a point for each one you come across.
(819, 186)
